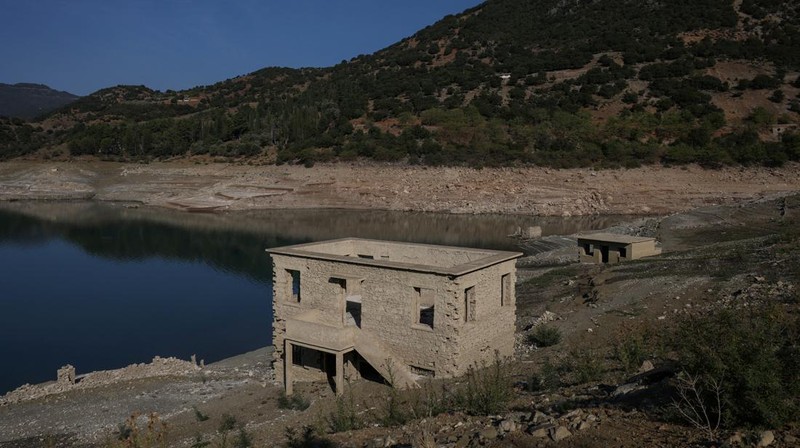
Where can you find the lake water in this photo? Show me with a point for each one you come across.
(101, 286)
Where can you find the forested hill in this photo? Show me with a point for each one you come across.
(551, 82)
(26, 100)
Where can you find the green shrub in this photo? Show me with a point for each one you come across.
(307, 439)
(243, 439)
(586, 366)
(295, 402)
(344, 416)
(544, 336)
(545, 379)
(429, 401)
(199, 416)
(630, 352)
(130, 434)
(227, 425)
(393, 413)
(755, 354)
(487, 390)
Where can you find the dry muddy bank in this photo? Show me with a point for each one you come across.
(532, 191)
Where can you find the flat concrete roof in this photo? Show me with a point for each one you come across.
(478, 258)
(614, 238)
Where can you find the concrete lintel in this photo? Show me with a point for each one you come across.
(343, 351)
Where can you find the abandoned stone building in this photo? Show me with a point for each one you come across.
(613, 248)
(353, 308)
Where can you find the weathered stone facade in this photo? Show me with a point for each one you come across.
(404, 309)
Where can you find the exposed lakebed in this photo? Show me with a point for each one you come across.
(102, 285)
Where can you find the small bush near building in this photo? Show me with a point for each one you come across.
(545, 336)
(344, 416)
(487, 391)
(545, 379)
(586, 366)
(295, 402)
(754, 354)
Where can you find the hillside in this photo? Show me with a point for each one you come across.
(549, 82)
(24, 100)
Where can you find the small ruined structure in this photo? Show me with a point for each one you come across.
(778, 130)
(362, 308)
(613, 248)
(66, 375)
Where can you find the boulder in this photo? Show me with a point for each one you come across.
(736, 439)
(508, 426)
(560, 433)
(767, 437)
(540, 431)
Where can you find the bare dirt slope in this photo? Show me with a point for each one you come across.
(535, 191)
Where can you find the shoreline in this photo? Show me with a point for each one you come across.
(214, 188)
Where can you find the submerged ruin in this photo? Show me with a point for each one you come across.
(353, 308)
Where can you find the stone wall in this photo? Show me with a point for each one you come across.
(493, 326)
(388, 310)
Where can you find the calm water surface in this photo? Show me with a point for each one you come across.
(101, 286)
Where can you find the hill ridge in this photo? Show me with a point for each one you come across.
(551, 82)
(28, 100)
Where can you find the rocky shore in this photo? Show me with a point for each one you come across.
(200, 187)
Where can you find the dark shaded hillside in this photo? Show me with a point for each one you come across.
(551, 82)
(28, 101)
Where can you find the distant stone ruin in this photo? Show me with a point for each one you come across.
(66, 375)
(612, 248)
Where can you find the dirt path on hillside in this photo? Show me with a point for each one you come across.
(534, 191)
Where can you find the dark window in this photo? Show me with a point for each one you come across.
(469, 304)
(424, 306)
(295, 280)
(297, 355)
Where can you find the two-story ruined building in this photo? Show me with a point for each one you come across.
(355, 307)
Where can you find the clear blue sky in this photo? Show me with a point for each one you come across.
(83, 45)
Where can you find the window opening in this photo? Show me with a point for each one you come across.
(505, 290)
(297, 355)
(295, 285)
(424, 306)
(469, 304)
